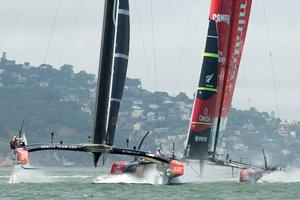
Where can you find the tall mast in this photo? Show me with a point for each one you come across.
(120, 68)
(104, 74)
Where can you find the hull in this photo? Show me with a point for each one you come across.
(251, 174)
(255, 174)
(20, 156)
(148, 172)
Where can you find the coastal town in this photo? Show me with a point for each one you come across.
(63, 102)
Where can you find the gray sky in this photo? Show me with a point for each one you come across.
(179, 28)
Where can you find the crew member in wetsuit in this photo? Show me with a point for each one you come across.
(13, 143)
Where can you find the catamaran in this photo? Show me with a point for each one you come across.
(228, 23)
(113, 58)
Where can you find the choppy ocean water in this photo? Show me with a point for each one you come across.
(83, 183)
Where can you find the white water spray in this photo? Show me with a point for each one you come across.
(20, 175)
(290, 175)
(47, 175)
(210, 173)
(150, 176)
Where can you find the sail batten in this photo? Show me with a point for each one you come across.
(120, 55)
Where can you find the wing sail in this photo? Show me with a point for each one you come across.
(204, 105)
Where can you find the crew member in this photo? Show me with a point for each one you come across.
(13, 143)
(22, 142)
(158, 151)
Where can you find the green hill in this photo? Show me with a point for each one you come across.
(62, 101)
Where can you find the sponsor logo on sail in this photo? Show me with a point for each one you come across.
(209, 77)
(239, 39)
(205, 111)
(200, 139)
(205, 117)
(221, 18)
(222, 74)
(222, 58)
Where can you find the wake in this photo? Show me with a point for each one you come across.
(122, 178)
(150, 176)
(20, 175)
(210, 174)
(291, 175)
(25, 175)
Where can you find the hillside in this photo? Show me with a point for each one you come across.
(61, 101)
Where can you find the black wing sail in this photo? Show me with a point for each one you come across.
(199, 137)
(120, 68)
(104, 74)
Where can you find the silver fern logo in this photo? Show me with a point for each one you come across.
(208, 78)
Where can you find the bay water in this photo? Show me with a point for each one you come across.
(83, 183)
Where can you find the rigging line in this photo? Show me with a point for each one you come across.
(271, 59)
(69, 33)
(153, 44)
(195, 171)
(52, 30)
(154, 60)
(246, 86)
(143, 44)
(190, 46)
(146, 61)
(182, 46)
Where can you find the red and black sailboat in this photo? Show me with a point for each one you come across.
(228, 23)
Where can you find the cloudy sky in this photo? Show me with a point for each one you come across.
(167, 55)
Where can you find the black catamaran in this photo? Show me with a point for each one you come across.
(105, 133)
(110, 85)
